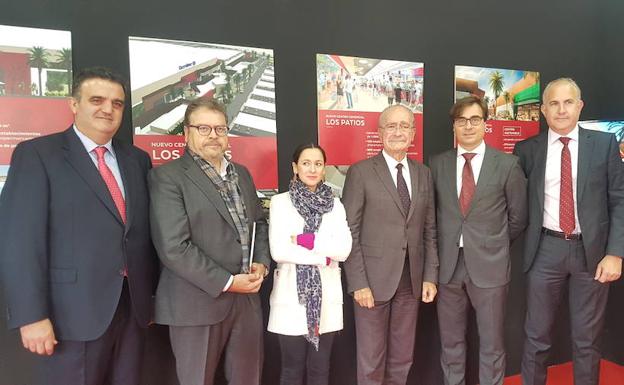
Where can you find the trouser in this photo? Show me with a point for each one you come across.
(489, 305)
(198, 349)
(300, 360)
(115, 358)
(560, 263)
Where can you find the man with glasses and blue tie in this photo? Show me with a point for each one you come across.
(393, 265)
(204, 214)
(481, 207)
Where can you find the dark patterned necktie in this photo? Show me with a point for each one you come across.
(468, 184)
(566, 197)
(402, 188)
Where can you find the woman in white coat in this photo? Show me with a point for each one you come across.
(309, 236)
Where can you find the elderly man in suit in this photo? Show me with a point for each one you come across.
(77, 262)
(481, 207)
(575, 237)
(204, 210)
(393, 265)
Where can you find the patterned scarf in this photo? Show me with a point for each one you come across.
(311, 206)
(230, 193)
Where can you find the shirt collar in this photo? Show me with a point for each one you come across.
(479, 150)
(554, 137)
(90, 145)
(224, 165)
(392, 163)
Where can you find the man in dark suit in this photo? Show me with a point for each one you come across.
(78, 265)
(481, 207)
(575, 236)
(389, 200)
(204, 210)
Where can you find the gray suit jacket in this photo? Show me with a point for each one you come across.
(497, 215)
(197, 242)
(600, 194)
(382, 231)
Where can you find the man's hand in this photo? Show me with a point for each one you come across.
(364, 297)
(609, 269)
(259, 268)
(246, 283)
(429, 291)
(38, 337)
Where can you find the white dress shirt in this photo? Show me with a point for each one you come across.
(475, 163)
(392, 163)
(552, 179)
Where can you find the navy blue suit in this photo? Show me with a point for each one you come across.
(63, 244)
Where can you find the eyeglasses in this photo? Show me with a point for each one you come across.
(206, 130)
(463, 122)
(396, 127)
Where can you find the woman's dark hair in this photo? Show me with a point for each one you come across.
(307, 146)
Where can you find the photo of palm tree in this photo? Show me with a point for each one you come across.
(510, 94)
(35, 62)
(512, 98)
(35, 68)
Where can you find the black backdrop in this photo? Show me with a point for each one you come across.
(576, 38)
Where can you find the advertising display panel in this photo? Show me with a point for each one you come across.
(513, 100)
(35, 81)
(351, 93)
(166, 75)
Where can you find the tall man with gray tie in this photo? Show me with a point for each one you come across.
(481, 207)
(389, 200)
(575, 237)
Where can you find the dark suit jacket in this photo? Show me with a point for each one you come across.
(600, 194)
(382, 231)
(63, 243)
(198, 243)
(497, 215)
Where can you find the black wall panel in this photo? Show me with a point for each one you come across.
(576, 38)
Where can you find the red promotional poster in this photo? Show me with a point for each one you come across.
(351, 93)
(242, 78)
(513, 100)
(35, 81)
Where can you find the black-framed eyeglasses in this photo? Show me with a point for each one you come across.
(205, 130)
(463, 122)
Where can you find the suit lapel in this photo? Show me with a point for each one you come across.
(415, 182)
(381, 169)
(78, 158)
(585, 149)
(130, 176)
(490, 160)
(201, 180)
(541, 147)
(449, 176)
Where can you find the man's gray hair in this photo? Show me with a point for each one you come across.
(569, 81)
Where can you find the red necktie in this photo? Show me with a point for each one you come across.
(402, 188)
(468, 184)
(111, 182)
(566, 197)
